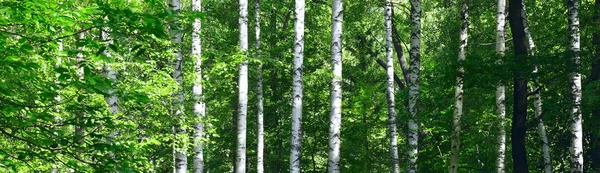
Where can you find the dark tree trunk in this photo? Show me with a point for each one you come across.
(519, 119)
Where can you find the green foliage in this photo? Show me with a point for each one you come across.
(46, 94)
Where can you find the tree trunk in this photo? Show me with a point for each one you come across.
(458, 94)
(398, 49)
(296, 147)
(390, 88)
(575, 88)
(519, 119)
(594, 77)
(199, 106)
(111, 100)
(259, 95)
(243, 90)
(79, 127)
(501, 88)
(413, 85)
(177, 112)
(335, 116)
(537, 100)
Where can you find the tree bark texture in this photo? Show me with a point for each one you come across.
(519, 119)
(575, 87)
(177, 112)
(390, 92)
(335, 117)
(501, 88)
(459, 92)
(296, 142)
(413, 85)
(199, 106)
(242, 90)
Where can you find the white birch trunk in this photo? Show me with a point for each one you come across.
(575, 88)
(111, 100)
(390, 92)
(179, 147)
(199, 107)
(501, 88)
(57, 98)
(296, 147)
(413, 85)
(243, 90)
(537, 98)
(458, 94)
(260, 168)
(335, 116)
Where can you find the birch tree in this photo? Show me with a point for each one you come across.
(199, 107)
(413, 85)
(519, 119)
(335, 119)
(500, 87)
(537, 98)
(177, 112)
(296, 141)
(575, 87)
(259, 95)
(389, 91)
(80, 128)
(458, 94)
(242, 90)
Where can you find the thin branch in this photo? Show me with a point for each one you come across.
(396, 78)
(488, 44)
(65, 36)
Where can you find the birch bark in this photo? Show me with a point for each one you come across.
(459, 92)
(243, 90)
(198, 95)
(537, 98)
(259, 95)
(413, 85)
(501, 88)
(296, 147)
(575, 88)
(335, 119)
(390, 93)
(177, 112)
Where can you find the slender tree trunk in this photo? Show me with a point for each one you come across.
(537, 101)
(80, 128)
(57, 98)
(296, 148)
(177, 112)
(594, 77)
(413, 85)
(458, 95)
(335, 116)
(199, 106)
(111, 100)
(501, 88)
(519, 122)
(575, 88)
(243, 91)
(390, 88)
(398, 49)
(259, 95)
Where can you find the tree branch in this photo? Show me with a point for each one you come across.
(396, 78)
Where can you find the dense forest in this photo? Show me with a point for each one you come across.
(300, 86)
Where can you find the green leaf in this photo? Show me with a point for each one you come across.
(26, 47)
(100, 51)
(140, 52)
(113, 47)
